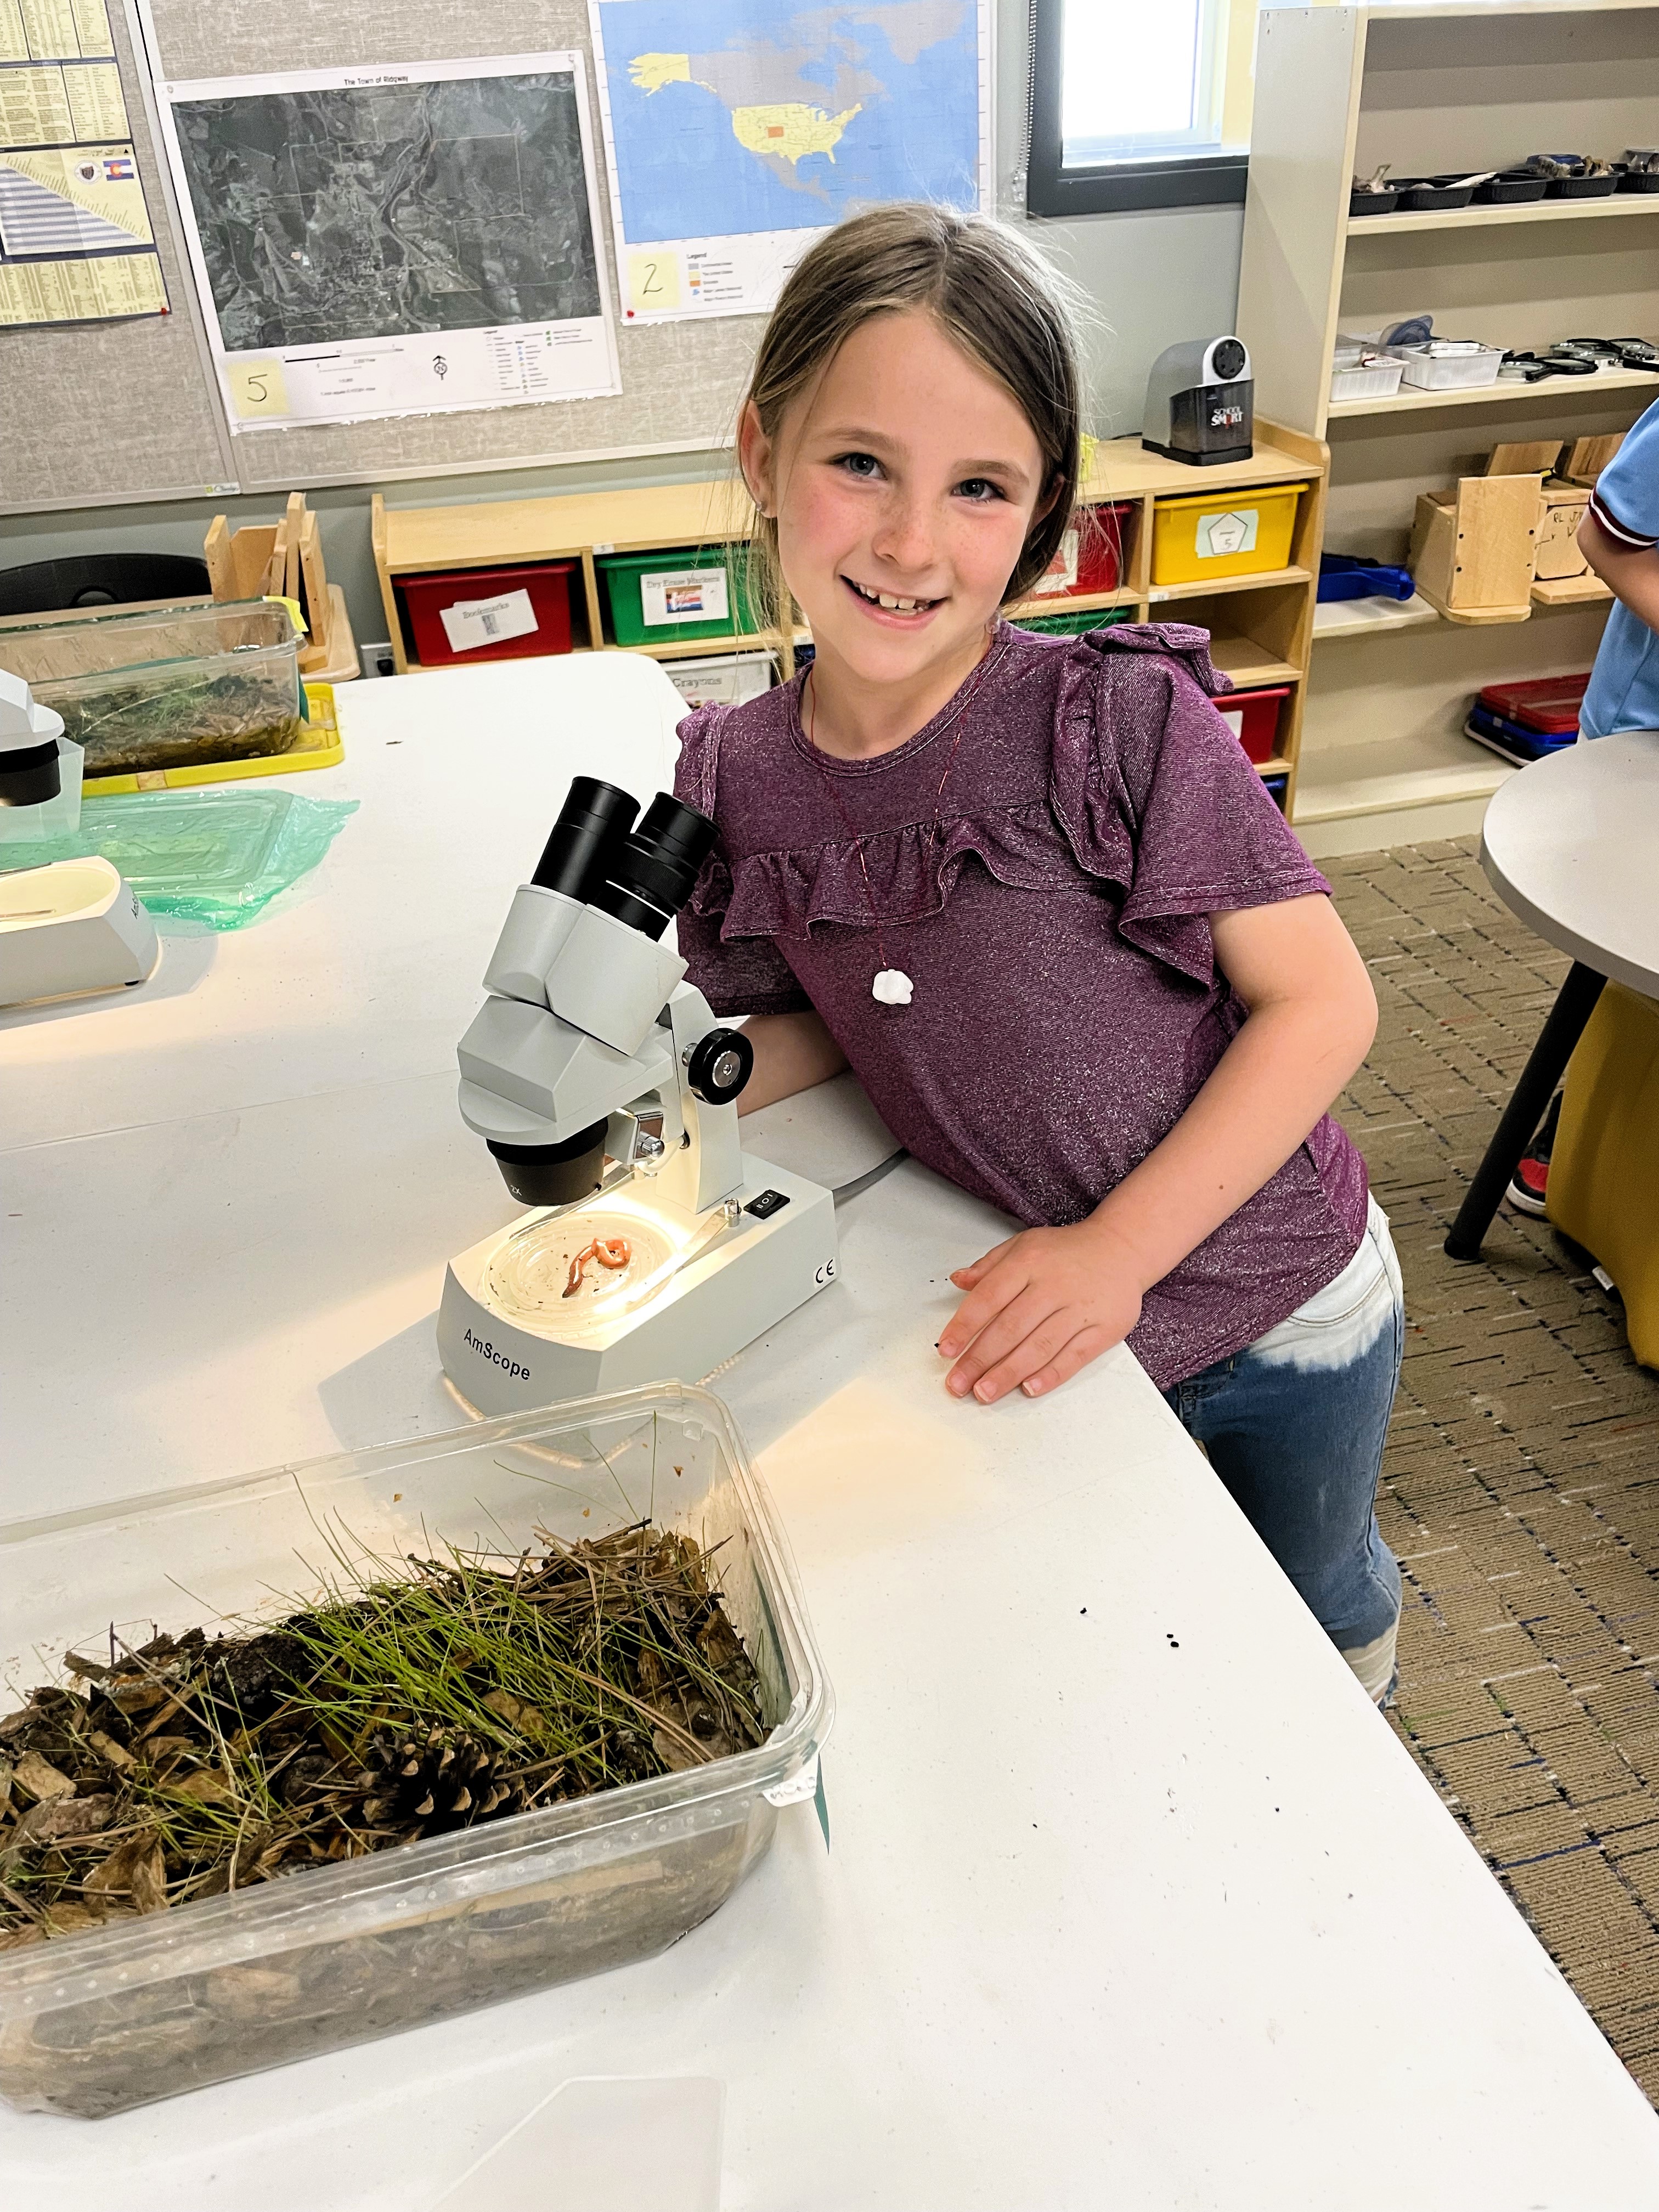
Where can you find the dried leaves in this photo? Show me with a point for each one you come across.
(460, 1690)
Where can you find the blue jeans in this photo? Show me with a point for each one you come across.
(1294, 1424)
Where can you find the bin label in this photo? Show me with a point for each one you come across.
(1060, 574)
(1219, 535)
(678, 595)
(472, 623)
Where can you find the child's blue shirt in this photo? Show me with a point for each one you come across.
(1623, 686)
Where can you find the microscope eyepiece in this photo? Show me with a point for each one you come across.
(595, 817)
(648, 875)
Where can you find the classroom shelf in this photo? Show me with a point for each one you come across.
(1264, 639)
(1568, 591)
(1566, 389)
(1480, 218)
(1366, 618)
(1338, 90)
(1072, 603)
(1268, 579)
(1251, 666)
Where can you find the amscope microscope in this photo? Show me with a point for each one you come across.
(604, 1086)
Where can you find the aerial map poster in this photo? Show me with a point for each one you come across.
(411, 239)
(738, 131)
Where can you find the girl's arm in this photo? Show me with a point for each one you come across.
(792, 1053)
(1047, 1302)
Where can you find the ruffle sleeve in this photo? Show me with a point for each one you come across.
(1156, 797)
(736, 974)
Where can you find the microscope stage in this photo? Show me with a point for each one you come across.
(510, 1340)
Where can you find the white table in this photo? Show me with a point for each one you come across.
(1571, 845)
(1132, 1900)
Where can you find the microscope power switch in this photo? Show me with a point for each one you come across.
(766, 1205)
(719, 1066)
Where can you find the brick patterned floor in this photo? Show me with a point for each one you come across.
(1520, 1489)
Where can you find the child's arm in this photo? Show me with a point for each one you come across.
(1046, 1302)
(792, 1053)
(1631, 573)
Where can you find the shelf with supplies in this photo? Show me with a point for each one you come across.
(1480, 218)
(1566, 390)
(1339, 92)
(1262, 627)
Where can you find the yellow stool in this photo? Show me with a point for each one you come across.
(1603, 1189)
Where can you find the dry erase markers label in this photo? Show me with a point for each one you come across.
(678, 595)
(472, 623)
(1219, 535)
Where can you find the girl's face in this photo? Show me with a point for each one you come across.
(904, 484)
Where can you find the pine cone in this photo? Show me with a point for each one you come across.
(432, 1783)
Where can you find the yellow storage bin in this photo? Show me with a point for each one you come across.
(1604, 1171)
(1206, 534)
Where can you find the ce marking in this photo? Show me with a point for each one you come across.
(826, 1274)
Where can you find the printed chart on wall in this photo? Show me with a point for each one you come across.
(402, 241)
(738, 130)
(75, 242)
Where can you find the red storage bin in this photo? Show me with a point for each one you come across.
(463, 615)
(1253, 718)
(1091, 557)
(1549, 704)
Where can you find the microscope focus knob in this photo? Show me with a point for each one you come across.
(719, 1066)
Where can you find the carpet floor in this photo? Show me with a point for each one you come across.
(1520, 1489)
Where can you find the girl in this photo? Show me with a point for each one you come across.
(1032, 891)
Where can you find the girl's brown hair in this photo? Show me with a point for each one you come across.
(1001, 303)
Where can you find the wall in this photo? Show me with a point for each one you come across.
(1153, 278)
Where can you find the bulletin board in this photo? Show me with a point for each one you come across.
(131, 411)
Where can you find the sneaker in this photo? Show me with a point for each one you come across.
(1530, 1181)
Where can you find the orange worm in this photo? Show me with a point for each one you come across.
(608, 1251)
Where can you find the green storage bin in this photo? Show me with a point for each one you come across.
(653, 598)
(1076, 624)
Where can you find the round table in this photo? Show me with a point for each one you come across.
(1571, 845)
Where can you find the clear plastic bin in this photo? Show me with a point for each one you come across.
(169, 688)
(1450, 364)
(1363, 371)
(101, 2022)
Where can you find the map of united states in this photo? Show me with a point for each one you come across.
(735, 116)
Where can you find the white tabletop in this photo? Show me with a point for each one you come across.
(1132, 1899)
(1572, 845)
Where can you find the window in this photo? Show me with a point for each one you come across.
(1138, 103)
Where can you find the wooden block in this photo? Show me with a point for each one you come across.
(273, 585)
(1497, 530)
(1589, 456)
(1557, 556)
(1537, 459)
(313, 578)
(220, 565)
(250, 554)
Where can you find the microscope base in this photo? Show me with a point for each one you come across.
(694, 1323)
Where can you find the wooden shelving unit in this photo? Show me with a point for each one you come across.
(1432, 89)
(1261, 626)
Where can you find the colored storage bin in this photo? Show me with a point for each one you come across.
(1206, 534)
(1603, 1192)
(463, 615)
(1076, 624)
(1091, 556)
(653, 598)
(1253, 718)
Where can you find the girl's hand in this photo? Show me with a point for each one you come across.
(1039, 1308)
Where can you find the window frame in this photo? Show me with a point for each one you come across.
(1118, 187)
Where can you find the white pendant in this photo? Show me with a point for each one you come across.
(893, 987)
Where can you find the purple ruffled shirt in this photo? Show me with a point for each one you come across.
(1051, 909)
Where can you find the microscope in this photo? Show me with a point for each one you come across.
(656, 1248)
